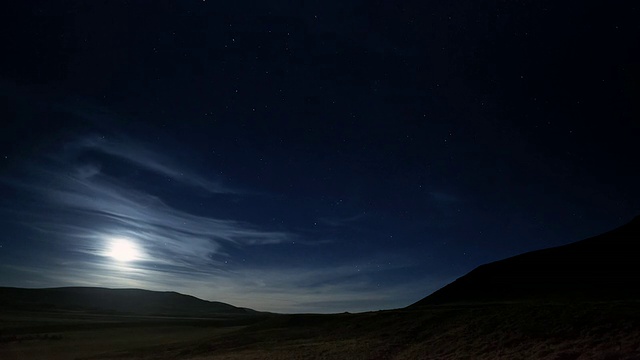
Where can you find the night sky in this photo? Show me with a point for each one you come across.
(318, 156)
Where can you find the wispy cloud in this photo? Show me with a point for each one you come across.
(88, 206)
(83, 205)
(146, 158)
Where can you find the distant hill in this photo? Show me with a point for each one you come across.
(114, 301)
(604, 267)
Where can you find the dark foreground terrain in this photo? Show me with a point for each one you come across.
(605, 330)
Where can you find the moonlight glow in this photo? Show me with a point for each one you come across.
(123, 250)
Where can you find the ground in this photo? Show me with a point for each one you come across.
(607, 330)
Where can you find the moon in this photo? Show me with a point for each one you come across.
(123, 250)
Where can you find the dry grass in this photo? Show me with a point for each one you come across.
(604, 331)
(77, 336)
(515, 331)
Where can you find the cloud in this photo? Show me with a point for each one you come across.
(144, 157)
(105, 207)
(86, 207)
(82, 206)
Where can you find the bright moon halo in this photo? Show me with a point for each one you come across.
(123, 250)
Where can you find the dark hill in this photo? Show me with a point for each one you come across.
(114, 301)
(604, 267)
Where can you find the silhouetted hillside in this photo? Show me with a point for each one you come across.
(124, 301)
(604, 267)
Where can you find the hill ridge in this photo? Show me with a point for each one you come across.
(114, 300)
(599, 267)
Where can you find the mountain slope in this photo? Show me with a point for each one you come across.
(604, 267)
(124, 301)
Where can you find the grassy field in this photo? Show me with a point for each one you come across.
(560, 331)
(74, 335)
(513, 331)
